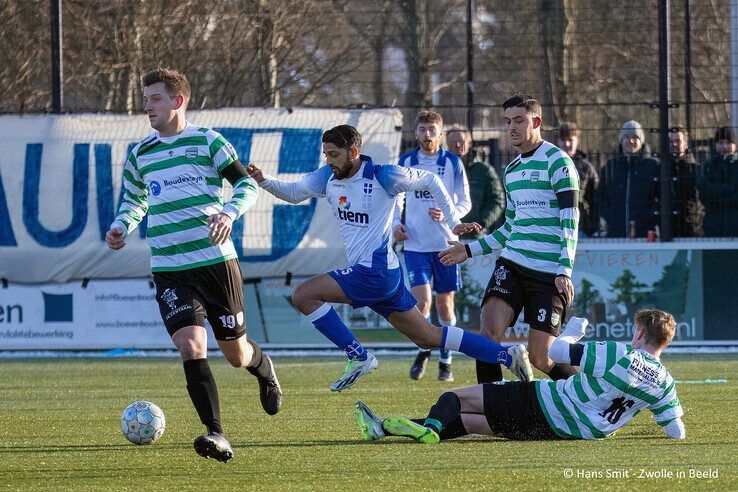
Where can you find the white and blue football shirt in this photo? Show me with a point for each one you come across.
(364, 204)
(425, 234)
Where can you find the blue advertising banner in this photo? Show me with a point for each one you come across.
(60, 186)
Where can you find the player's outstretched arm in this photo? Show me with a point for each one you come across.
(497, 238)
(311, 185)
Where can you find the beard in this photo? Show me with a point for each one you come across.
(343, 171)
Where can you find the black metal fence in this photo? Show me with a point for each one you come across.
(597, 63)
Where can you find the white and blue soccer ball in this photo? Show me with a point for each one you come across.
(142, 422)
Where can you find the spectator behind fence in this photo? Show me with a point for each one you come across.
(719, 187)
(568, 141)
(627, 199)
(687, 209)
(488, 200)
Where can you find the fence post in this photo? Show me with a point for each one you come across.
(469, 70)
(57, 80)
(664, 97)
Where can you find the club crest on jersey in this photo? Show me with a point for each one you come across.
(535, 176)
(368, 187)
(500, 275)
(191, 152)
(170, 297)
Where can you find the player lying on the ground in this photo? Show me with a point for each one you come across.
(363, 196)
(615, 383)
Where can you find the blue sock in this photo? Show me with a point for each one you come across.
(475, 346)
(327, 321)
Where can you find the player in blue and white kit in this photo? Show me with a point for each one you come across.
(363, 196)
(425, 234)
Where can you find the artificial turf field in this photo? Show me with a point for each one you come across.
(59, 429)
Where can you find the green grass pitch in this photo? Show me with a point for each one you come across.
(59, 430)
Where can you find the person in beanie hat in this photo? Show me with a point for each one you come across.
(632, 127)
(627, 199)
(719, 187)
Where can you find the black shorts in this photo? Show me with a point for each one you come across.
(215, 292)
(513, 411)
(529, 290)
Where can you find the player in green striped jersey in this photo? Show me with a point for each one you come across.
(616, 382)
(538, 241)
(175, 176)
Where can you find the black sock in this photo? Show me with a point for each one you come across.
(488, 373)
(453, 430)
(203, 393)
(561, 371)
(445, 411)
(256, 367)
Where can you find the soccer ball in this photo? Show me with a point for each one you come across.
(142, 422)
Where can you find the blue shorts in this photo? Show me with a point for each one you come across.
(426, 268)
(383, 290)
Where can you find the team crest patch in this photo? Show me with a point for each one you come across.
(555, 319)
(535, 176)
(191, 152)
(239, 318)
(170, 297)
(500, 275)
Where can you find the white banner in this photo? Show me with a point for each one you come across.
(107, 314)
(60, 182)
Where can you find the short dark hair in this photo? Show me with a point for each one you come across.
(658, 326)
(343, 136)
(428, 116)
(724, 133)
(522, 100)
(175, 82)
(568, 130)
(679, 129)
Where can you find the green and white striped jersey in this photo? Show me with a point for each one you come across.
(537, 234)
(615, 383)
(177, 181)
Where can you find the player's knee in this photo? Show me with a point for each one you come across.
(424, 308)
(300, 297)
(191, 350)
(450, 402)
